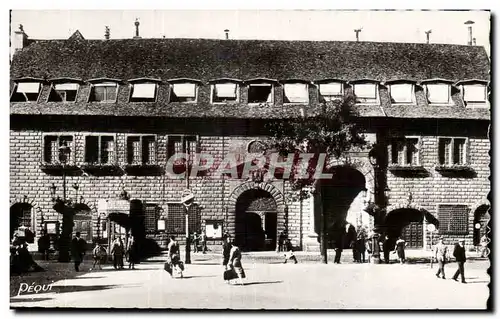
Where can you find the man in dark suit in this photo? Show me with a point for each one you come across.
(459, 254)
(78, 247)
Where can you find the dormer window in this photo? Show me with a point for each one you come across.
(63, 92)
(260, 93)
(26, 92)
(331, 91)
(183, 92)
(296, 93)
(402, 93)
(225, 92)
(143, 92)
(104, 92)
(474, 93)
(438, 93)
(366, 92)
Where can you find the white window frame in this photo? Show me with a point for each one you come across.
(99, 136)
(212, 90)
(368, 101)
(261, 84)
(53, 87)
(196, 87)
(483, 103)
(450, 100)
(16, 86)
(300, 102)
(405, 151)
(141, 138)
(72, 156)
(412, 94)
(150, 100)
(465, 160)
(104, 83)
(331, 97)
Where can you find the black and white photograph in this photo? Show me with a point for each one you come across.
(250, 159)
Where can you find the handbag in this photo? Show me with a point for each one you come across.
(168, 268)
(230, 274)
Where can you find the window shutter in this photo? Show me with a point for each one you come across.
(401, 92)
(28, 87)
(184, 89)
(365, 91)
(330, 89)
(296, 92)
(227, 90)
(438, 93)
(144, 90)
(474, 93)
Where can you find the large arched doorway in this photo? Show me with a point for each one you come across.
(409, 224)
(256, 220)
(82, 222)
(481, 219)
(337, 199)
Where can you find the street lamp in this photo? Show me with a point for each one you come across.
(187, 200)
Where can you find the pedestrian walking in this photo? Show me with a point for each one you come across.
(281, 241)
(459, 254)
(400, 250)
(196, 242)
(44, 245)
(361, 246)
(174, 257)
(118, 251)
(368, 246)
(484, 246)
(203, 242)
(78, 247)
(235, 262)
(98, 254)
(132, 252)
(441, 255)
(289, 252)
(226, 251)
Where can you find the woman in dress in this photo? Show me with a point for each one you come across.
(235, 261)
(400, 249)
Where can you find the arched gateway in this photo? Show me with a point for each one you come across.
(258, 215)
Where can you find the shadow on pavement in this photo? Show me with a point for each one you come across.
(188, 277)
(13, 300)
(262, 283)
(64, 289)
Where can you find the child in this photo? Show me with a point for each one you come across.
(289, 252)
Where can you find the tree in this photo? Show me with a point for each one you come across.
(68, 210)
(328, 132)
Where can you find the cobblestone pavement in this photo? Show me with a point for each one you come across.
(271, 286)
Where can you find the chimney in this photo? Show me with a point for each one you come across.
(357, 33)
(227, 34)
(428, 33)
(20, 39)
(106, 33)
(469, 23)
(137, 29)
(474, 41)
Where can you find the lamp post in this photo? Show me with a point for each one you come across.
(188, 242)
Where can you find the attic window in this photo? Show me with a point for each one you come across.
(64, 92)
(438, 93)
(366, 92)
(26, 92)
(331, 91)
(401, 93)
(260, 93)
(143, 92)
(474, 93)
(296, 93)
(104, 92)
(224, 92)
(183, 92)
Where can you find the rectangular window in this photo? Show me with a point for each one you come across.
(176, 218)
(54, 154)
(260, 93)
(474, 93)
(103, 92)
(141, 150)
(183, 92)
(26, 218)
(63, 92)
(99, 150)
(331, 91)
(453, 219)
(296, 93)
(452, 151)
(183, 144)
(366, 93)
(143, 92)
(405, 152)
(401, 93)
(224, 92)
(438, 93)
(150, 217)
(26, 92)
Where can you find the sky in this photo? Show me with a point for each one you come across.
(378, 26)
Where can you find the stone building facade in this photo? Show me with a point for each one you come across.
(123, 107)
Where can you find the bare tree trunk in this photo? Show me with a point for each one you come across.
(323, 242)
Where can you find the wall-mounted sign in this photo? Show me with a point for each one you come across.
(51, 227)
(161, 224)
(213, 229)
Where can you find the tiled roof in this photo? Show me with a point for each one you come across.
(207, 59)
